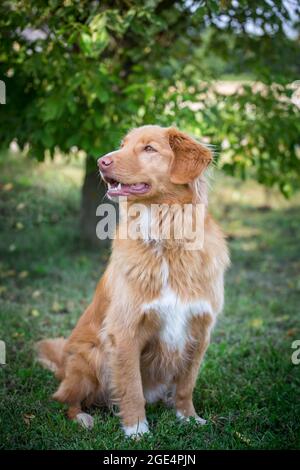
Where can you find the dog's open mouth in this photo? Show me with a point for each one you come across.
(115, 188)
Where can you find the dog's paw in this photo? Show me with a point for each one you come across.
(85, 420)
(200, 420)
(136, 431)
(188, 419)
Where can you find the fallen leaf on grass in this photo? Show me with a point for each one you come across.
(282, 318)
(3, 289)
(35, 312)
(242, 437)
(19, 226)
(23, 274)
(7, 187)
(16, 334)
(36, 294)
(9, 273)
(28, 417)
(256, 323)
(21, 206)
(57, 307)
(292, 332)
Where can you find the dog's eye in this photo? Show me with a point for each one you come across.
(149, 148)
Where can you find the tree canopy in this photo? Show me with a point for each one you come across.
(81, 73)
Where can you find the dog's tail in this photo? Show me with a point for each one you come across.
(50, 354)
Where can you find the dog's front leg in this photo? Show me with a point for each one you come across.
(186, 380)
(127, 386)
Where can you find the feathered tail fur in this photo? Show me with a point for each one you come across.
(50, 354)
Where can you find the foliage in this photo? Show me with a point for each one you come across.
(81, 73)
(258, 134)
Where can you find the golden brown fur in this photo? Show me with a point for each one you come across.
(124, 348)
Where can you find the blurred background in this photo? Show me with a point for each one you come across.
(77, 75)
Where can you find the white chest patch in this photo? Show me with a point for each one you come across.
(174, 313)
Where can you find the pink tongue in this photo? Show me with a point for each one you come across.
(133, 187)
(126, 189)
(136, 186)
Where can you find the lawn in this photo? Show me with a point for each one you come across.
(248, 389)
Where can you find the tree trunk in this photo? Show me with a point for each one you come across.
(93, 192)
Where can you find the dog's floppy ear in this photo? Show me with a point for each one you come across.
(190, 157)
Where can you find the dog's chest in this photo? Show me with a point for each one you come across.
(174, 313)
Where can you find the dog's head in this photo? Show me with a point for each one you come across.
(154, 163)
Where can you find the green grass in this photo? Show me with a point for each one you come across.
(248, 389)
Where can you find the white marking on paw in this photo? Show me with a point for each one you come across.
(187, 419)
(200, 420)
(85, 420)
(137, 430)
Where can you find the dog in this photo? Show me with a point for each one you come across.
(144, 336)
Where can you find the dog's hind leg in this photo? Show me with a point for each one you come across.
(74, 391)
(85, 420)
